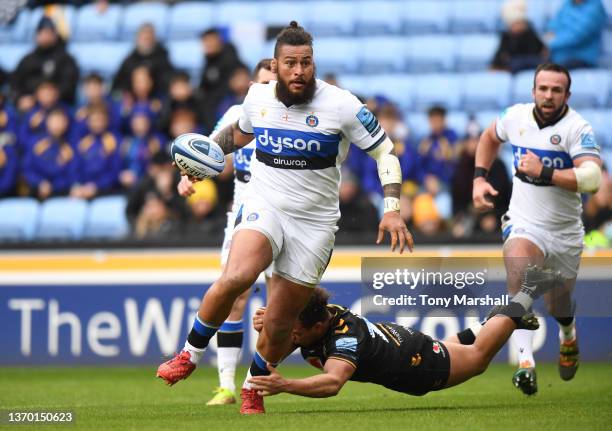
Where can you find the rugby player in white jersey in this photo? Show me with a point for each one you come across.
(556, 158)
(302, 128)
(231, 333)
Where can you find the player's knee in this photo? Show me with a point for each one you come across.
(277, 327)
(235, 282)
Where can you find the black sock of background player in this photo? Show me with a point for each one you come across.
(565, 321)
(230, 339)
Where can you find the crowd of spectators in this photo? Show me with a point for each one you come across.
(63, 134)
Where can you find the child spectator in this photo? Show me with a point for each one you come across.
(181, 96)
(140, 95)
(138, 147)
(50, 165)
(99, 157)
(9, 161)
(95, 94)
(33, 125)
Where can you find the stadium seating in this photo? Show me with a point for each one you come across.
(62, 219)
(102, 57)
(486, 90)
(18, 220)
(330, 18)
(233, 12)
(91, 25)
(590, 88)
(397, 88)
(600, 120)
(438, 89)
(522, 84)
(475, 52)
(485, 118)
(474, 16)
(12, 54)
(328, 58)
(186, 54)
(432, 53)
(381, 54)
(187, 20)
(426, 17)
(378, 17)
(106, 218)
(140, 13)
(280, 13)
(17, 30)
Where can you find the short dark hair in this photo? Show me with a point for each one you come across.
(266, 64)
(316, 309)
(180, 75)
(293, 35)
(553, 67)
(210, 32)
(436, 110)
(95, 77)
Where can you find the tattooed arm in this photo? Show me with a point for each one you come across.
(232, 138)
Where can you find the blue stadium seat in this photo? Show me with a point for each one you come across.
(606, 55)
(102, 57)
(396, 87)
(600, 120)
(539, 12)
(336, 54)
(232, 12)
(590, 88)
(378, 17)
(418, 123)
(608, 7)
(356, 84)
(186, 54)
(19, 218)
(381, 54)
(330, 18)
(426, 16)
(475, 52)
(106, 218)
(432, 53)
(138, 14)
(17, 30)
(522, 86)
(486, 90)
(485, 118)
(91, 25)
(468, 16)
(281, 13)
(457, 120)
(437, 89)
(188, 19)
(12, 53)
(62, 218)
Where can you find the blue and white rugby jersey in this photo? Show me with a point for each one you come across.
(299, 149)
(241, 157)
(537, 201)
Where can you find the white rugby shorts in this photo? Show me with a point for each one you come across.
(561, 248)
(301, 249)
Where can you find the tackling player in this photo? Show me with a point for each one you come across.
(556, 158)
(302, 127)
(231, 333)
(347, 346)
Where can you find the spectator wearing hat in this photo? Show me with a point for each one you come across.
(206, 217)
(50, 61)
(520, 47)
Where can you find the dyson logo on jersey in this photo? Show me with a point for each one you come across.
(294, 149)
(551, 158)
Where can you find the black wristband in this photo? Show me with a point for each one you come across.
(547, 173)
(480, 172)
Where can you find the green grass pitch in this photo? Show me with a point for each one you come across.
(132, 398)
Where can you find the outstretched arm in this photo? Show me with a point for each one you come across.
(335, 375)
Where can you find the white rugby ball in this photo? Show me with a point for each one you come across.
(197, 155)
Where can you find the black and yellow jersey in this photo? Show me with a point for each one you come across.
(384, 353)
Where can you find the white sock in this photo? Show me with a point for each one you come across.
(196, 354)
(246, 384)
(523, 341)
(476, 327)
(567, 333)
(227, 360)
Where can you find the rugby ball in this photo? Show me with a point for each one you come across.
(197, 155)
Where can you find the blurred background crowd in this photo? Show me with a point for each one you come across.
(87, 113)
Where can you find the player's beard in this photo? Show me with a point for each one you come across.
(548, 117)
(288, 98)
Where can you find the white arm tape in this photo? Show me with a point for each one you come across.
(588, 177)
(389, 170)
